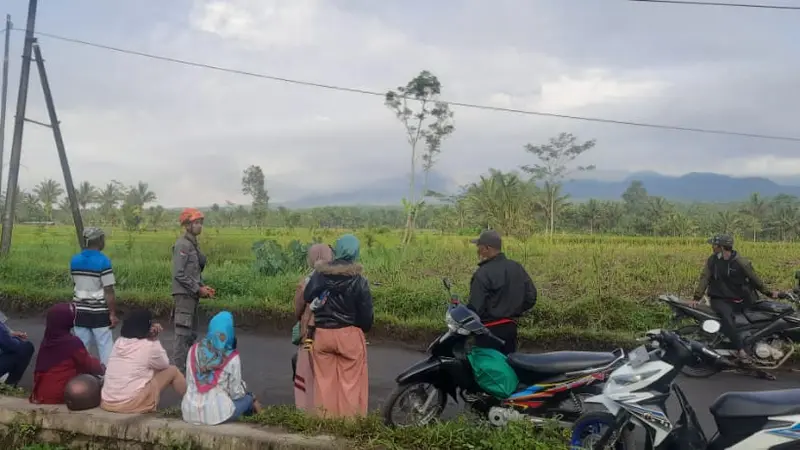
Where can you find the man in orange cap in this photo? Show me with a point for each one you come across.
(187, 284)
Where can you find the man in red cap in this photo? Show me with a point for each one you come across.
(187, 284)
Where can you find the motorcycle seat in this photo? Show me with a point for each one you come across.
(772, 307)
(785, 402)
(559, 362)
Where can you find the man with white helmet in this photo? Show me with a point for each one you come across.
(94, 296)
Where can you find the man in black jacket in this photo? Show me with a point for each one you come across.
(500, 292)
(731, 283)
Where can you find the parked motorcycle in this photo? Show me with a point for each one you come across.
(637, 392)
(551, 384)
(769, 328)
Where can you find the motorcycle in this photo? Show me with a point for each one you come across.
(768, 328)
(551, 384)
(636, 395)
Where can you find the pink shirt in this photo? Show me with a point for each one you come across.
(132, 364)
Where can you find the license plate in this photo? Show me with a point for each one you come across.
(638, 356)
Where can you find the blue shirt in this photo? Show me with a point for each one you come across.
(91, 272)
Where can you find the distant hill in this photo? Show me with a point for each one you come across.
(696, 186)
(692, 187)
(385, 192)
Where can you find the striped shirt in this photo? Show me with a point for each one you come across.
(91, 273)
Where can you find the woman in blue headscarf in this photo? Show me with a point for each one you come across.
(215, 391)
(342, 305)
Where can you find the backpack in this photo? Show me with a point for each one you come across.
(492, 372)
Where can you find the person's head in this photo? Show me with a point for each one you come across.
(721, 243)
(319, 253)
(82, 393)
(59, 320)
(489, 244)
(137, 324)
(94, 238)
(347, 248)
(192, 220)
(221, 332)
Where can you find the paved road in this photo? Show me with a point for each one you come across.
(267, 369)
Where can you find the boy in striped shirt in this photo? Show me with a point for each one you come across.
(94, 298)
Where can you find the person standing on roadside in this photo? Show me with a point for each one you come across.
(188, 264)
(94, 297)
(500, 292)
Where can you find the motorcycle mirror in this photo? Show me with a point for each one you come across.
(711, 326)
(447, 283)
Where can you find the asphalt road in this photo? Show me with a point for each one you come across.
(267, 370)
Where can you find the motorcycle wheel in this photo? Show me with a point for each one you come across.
(589, 428)
(406, 393)
(699, 368)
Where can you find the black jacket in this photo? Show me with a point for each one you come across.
(501, 289)
(348, 299)
(733, 279)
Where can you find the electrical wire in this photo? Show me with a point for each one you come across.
(383, 94)
(739, 5)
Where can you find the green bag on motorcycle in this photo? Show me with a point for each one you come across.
(492, 372)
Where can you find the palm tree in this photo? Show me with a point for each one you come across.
(48, 192)
(501, 201)
(110, 196)
(141, 194)
(591, 212)
(755, 210)
(87, 195)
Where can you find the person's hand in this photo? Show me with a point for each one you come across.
(774, 294)
(114, 320)
(695, 302)
(206, 292)
(20, 334)
(156, 329)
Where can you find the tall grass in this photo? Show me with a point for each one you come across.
(589, 286)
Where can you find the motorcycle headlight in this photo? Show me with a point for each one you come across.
(452, 325)
(626, 379)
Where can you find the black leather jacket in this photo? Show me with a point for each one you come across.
(348, 301)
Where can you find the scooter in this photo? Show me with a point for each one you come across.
(552, 385)
(636, 395)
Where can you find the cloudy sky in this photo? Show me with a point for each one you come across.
(190, 132)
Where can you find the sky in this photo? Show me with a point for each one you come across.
(190, 132)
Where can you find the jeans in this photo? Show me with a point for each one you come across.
(103, 339)
(15, 364)
(242, 407)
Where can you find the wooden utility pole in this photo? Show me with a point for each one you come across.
(62, 153)
(4, 96)
(19, 124)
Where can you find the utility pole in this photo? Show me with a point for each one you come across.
(19, 123)
(4, 96)
(62, 153)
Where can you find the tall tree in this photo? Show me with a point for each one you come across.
(432, 122)
(755, 210)
(141, 194)
(87, 195)
(48, 192)
(110, 197)
(254, 185)
(553, 167)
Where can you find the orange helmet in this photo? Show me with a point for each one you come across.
(189, 215)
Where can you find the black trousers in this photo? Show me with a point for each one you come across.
(15, 364)
(506, 332)
(726, 309)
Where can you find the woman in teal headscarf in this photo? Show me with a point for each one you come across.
(342, 305)
(215, 390)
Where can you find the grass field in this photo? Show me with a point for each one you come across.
(591, 288)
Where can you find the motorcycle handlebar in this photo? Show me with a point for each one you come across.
(697, 348)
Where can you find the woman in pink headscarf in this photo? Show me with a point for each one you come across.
(301, 362)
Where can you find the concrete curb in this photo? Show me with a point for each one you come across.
(103, 430)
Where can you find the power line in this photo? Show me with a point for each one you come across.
(739, 5)
(383, 94)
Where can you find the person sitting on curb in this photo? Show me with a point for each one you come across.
(15, 353)
(62, 356)
(216, 392)
(139, 368)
